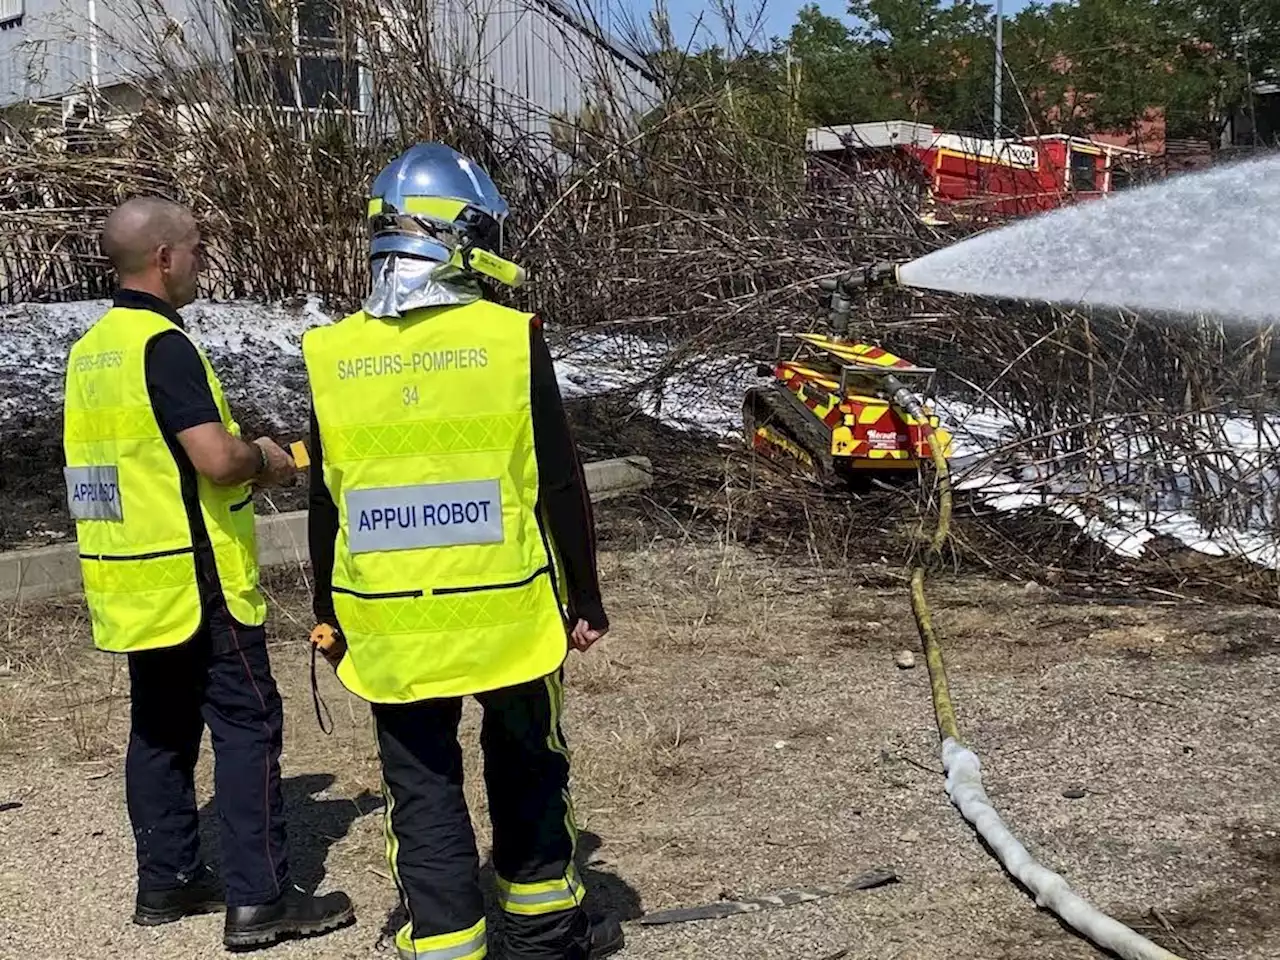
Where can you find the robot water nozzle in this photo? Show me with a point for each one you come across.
(880, 274)
(883, 274)
(841, 288)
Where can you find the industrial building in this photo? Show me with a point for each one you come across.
(536, 57)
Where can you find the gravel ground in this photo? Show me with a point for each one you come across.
(743, 731)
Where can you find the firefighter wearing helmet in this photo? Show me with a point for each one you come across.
(453, 545)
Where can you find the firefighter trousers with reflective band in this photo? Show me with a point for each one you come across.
(431, 847)
(222, 678)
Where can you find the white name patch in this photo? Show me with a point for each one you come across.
(425, 515)
(93, 493)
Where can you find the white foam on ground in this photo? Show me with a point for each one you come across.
(35, 339)
(1242, 452)
(1238, 457)
(257, 351)
(704, 395)
(250, 344)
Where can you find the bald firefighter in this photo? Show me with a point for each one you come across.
(160, 484)
(454, 554)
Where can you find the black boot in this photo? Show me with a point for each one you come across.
(606, 937)
(201, 894)
(295, 914)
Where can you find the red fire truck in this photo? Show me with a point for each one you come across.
(958, 178)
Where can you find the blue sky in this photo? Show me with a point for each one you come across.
(778, 14)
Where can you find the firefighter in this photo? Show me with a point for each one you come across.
(159, 483)
(454, 554)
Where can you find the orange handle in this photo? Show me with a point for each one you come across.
(322, 636)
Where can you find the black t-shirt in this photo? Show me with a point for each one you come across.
(180, 393)
(182, 399)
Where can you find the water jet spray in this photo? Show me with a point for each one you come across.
(1203, 242)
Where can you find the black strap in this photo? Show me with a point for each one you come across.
(317, 700)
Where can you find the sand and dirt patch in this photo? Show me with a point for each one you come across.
(745, 730)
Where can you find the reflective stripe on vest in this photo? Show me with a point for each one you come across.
(124, 491)
(444, 582)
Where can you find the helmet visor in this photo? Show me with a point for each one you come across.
(472, 227)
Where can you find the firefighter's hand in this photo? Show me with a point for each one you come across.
(279, 469)
(582, 636)
(331, 642)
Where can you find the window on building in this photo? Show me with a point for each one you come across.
(296, 53)
(1084, 171)
(11, 12)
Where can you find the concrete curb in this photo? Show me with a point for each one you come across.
(282, 538)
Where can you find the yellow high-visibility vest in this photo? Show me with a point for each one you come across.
(445, 582)
(124, 490)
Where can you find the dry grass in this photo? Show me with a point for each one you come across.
(54, 685)
(744, 729)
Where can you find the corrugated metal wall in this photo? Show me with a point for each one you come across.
(41, 54)
(49, 54)
(531, 58)
(526, 59)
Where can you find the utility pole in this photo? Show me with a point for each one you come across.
(997, 120)
(93, 47)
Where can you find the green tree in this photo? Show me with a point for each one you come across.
(934, 58)
(1224, 47)
(838, 80)
(1082, 66)
(1106, 64)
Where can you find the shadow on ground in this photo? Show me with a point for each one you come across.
(313, 825)
(607, 893)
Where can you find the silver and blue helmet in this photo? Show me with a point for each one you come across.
(431, 202)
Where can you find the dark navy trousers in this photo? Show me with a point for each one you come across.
(221, 678)
(429, 834)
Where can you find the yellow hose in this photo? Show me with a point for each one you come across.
(942, 708)
(964, 782)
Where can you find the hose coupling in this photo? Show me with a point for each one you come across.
(904, 399)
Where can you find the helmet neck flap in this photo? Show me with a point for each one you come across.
(402, 283)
